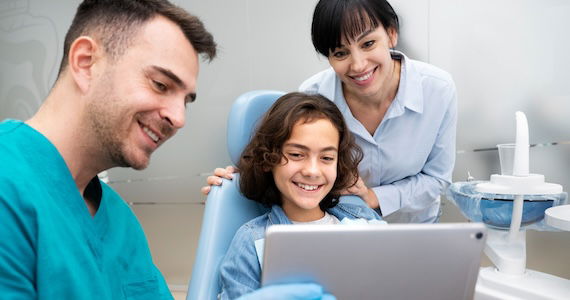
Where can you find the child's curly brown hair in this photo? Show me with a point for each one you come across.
(265, 149)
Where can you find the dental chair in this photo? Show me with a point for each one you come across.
(226, 208)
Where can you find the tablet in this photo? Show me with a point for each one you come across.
(396, 261)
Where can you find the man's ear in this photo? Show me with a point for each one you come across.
(83, 54)
(393, 35)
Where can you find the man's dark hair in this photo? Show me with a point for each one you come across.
(265, 149)
(115, 22)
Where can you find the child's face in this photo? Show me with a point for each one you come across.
(309, 172)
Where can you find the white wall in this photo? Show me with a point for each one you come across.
(504, 55)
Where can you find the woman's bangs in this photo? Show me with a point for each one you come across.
(356, 22)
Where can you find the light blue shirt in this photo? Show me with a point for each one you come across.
(409, 160)
(50, 245)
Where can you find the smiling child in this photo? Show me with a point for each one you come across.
(297, 163)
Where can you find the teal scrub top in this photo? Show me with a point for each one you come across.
(50, 246)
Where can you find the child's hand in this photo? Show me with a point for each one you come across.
(216, 179)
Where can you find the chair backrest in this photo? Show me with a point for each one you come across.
(226, 208)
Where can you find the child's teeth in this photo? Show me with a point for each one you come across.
(307, 187)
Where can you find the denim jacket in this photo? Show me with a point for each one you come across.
(240, 269)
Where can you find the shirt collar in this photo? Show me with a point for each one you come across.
(410, 94)
(277, 215)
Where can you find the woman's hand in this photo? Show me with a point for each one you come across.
(216, 179)
(361, 190)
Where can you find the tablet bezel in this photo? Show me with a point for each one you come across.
(395, 261)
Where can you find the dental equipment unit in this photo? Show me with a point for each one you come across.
(509, 204)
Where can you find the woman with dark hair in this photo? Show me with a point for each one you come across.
(402, 112)
(297, 163)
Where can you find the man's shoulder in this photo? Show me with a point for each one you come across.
(23, 149)
(15, 171)
(10, 138)
(14, 190)
(9, 125)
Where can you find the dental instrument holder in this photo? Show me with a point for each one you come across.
(507, 249)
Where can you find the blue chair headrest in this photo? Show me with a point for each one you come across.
(244, 116)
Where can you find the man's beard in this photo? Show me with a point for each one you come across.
(105, 118)
(110, 123)
(103, 122)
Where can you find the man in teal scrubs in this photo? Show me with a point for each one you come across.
(129, 69)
